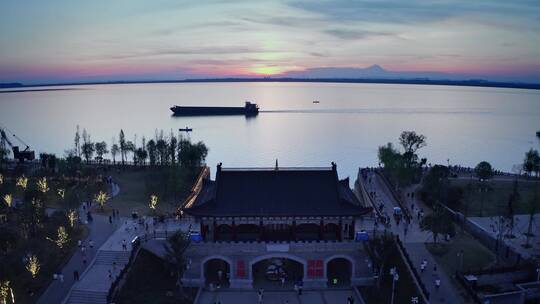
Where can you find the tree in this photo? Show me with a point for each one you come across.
(438, 222)
(172, 148)
(153, 202)
(101, 149)
(191, 155)
(513, 200)
(101, 198)
(161, 147)
(32, 265)
(531, 162)
(411, 141)
(62, 237)
(114, 151)
(483, 170)
(175, 249)
(532, 208)
(151, 147)
(435, 185)
(129, 148)
(4, 151)
(141, 155)
(88, 147)
(77, 142)
(122, 146)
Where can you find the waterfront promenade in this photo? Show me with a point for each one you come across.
(414, 242)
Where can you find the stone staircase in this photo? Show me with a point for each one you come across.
(106, 257)
(87, 297)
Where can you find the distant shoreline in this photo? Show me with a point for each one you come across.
(463, 83)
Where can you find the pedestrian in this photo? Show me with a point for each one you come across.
(79, 243)
(76, 275)
(434, 267)
(114, 266)
(352, 300)
(110, 219)
(282, 281)
(422, 267)
(124, 245)
(437, 283)
(83, 249)
(91, 244)
(110, 275)
(84, 260)
(61, 277)
(146, 227)
(260, 295)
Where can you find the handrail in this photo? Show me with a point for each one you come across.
(114, 286)
(394, 194)
(416, 277)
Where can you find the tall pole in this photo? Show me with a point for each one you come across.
(395, 277)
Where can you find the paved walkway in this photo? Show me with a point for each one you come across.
(99, 231)
(413, 242)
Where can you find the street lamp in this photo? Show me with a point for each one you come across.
(395, 278)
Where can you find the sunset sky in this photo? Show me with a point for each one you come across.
(66, 40)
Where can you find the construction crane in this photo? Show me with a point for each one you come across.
(23, 155)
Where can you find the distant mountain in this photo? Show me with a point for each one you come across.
(378, 72)
(10, 85)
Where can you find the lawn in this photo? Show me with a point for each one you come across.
(495, 201)
(475, 256)
(137, 184)
(150, 281)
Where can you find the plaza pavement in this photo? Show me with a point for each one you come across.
(326, 296)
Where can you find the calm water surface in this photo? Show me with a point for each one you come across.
(464, 125)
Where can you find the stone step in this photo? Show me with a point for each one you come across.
(87, 297)
(108, 257)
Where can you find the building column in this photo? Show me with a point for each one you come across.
(321, 230)
(215, 231)
(261, 231)
(234, 233)
(340, 230)
(351, 230)
(294, 230)
(203, 233)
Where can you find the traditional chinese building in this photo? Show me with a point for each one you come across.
(261, 224)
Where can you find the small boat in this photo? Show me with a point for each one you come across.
(186, 129)
(316, 101)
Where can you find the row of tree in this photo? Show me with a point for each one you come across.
(161, 150)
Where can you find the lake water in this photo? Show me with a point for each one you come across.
(462, 124)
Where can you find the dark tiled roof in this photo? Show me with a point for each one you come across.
(282, 192)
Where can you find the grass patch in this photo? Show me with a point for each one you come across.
(171, 185)
(150, 281)
(496, 199)
(475, 255)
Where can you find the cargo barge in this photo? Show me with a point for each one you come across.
(249, 109)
